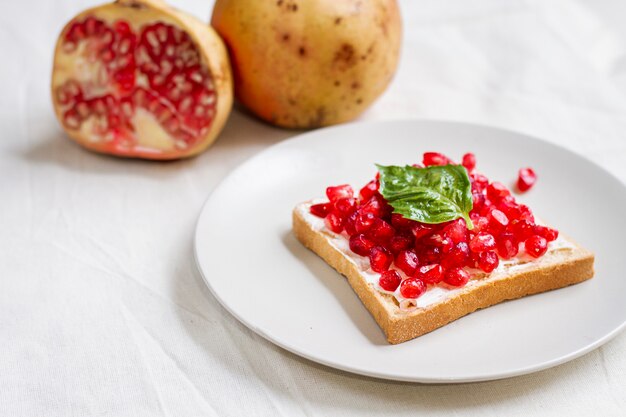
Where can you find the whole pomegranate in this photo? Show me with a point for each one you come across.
(137, 78)
(310, 63)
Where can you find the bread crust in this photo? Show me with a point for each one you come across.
(549, 272)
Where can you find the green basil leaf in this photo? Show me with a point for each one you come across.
(434, 194)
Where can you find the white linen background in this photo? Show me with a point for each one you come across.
(102, 310)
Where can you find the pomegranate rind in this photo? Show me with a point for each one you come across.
(310, 64)
(213, 55)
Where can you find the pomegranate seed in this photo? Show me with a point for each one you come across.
(346, 205)
(400, 242)
(488, 261)
(547, 233)
(481, 224)
(486, 208)
(122, 27)
(364, 221)
(456, 231)
(412, 288)
(360, 244)
(497, 191)
(507, 246)
(389, 280)
(400, 222)
(334, 222)
(381, 231)
(469, 162)
(472, 260)
(321, 210)
(497, 220)
(446, 245)
(509, 207)
(536, 246)
(387, 210)
(420, 230)
(478, 200)
(349, 225)
(526, 178)
(436, 240)
(526, 213)
(435, 158)
(522, 229)
(482, 242)
(380, 259)
(456, 277)
(374, 205)
(407, 262)
(479, 182)
(457, 256)
(507, 199)
(369, 190)
(430, 274)
(339, 191)
(429, 254)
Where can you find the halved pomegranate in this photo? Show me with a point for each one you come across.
(137, 78)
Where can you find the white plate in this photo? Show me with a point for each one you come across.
(263, 276)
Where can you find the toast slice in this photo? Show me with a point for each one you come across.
(564, 264)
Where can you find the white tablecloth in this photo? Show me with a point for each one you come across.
(102, 310)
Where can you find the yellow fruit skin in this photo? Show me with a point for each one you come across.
(304, 64)
(213, 53)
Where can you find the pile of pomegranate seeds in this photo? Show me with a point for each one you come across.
(429, 254)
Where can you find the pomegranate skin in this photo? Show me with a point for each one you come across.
(305, 64)
(212, 52)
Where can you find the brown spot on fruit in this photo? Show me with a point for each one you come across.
(302, 51)
(289, 6)
(355, 85)
(338, 20)
(359, 100)
(286, 37)
(318, 119)
(385, 18)
(345, 57)
(135, 5)
(337, 83)
(385, 29)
